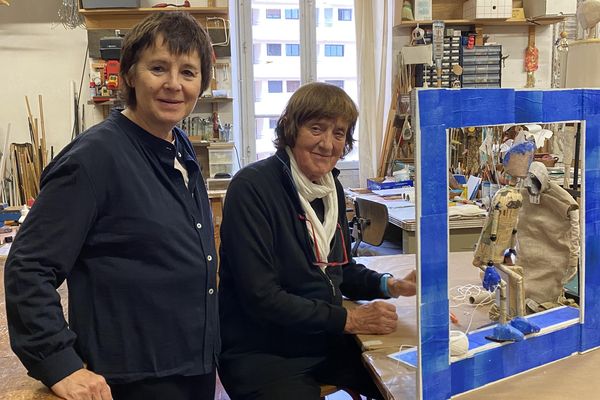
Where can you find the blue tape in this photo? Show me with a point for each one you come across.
(432, 107)
(501, 362)
(433, 233)
(436, 387)
(408, 357)
(528, 106)
(591, 103)
(562, 105)
(433, 173)
(590, 336)
(487, 107)
(549, 318)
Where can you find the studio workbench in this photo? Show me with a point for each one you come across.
(573, 377)
(464, 231)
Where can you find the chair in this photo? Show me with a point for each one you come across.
(369, 226)
(326, 390)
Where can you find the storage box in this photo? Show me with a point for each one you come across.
(110, 48)
(548, 8)
(374, 184)
(218, 184)
(487, 9)
(422, 10)
(110, 3)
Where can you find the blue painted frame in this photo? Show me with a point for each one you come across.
(436, 111)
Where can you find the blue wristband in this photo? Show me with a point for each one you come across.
(383, 286)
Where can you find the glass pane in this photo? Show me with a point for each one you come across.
(336, 50)
(276, 39)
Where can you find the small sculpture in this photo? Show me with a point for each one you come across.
(498, 238)
(588, 15)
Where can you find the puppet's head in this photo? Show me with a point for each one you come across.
(518, 158)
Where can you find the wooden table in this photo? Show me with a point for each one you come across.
(395, 380)
(573, 377)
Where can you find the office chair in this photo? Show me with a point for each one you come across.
(369, 225)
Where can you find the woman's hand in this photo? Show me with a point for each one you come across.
(82, 385)
(375, 318)
(406, 286)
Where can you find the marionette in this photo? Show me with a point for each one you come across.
(497, 244)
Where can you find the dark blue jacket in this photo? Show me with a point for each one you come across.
(115, 219)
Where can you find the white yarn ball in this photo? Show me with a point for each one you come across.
(459, 344)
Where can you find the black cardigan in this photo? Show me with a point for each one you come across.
(272, 298)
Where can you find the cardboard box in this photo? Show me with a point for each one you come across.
(487, 9)
(549, 8)
(110, 3)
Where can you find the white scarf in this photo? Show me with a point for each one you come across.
(308, 191)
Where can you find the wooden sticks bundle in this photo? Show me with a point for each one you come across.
(27, 160)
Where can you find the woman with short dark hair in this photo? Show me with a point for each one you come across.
(123, 216)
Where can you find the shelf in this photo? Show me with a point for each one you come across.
(126, 18)
(215, 100)
(104, 101)
(486, 22)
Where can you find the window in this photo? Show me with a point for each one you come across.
(256, 53)
(337, 82)
(275, 86)
(292, 86)
(255, 16)
(344, 14)
(334, 50)
(280, 64)
(292, 13)
(273, 13)
(257, 91)
(292, 49)
(273, 49)
(328, 16)
(272, 123)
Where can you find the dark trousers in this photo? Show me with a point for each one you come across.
(271, 377)
(198, 387)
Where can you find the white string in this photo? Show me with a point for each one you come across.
(463, 293)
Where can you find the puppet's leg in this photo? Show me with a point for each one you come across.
(503, 331)
(519, 322)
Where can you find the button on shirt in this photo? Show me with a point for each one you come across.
(122, 225)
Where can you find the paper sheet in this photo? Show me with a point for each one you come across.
(472, 186)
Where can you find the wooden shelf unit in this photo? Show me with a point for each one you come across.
(451, 12)
(211, 100)
(485, 22)
(126, 18)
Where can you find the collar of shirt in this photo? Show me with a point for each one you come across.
(164, 150)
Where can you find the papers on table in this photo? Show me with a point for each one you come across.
(472, 186)
(409, 190)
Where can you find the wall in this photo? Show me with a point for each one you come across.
(39, 56)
